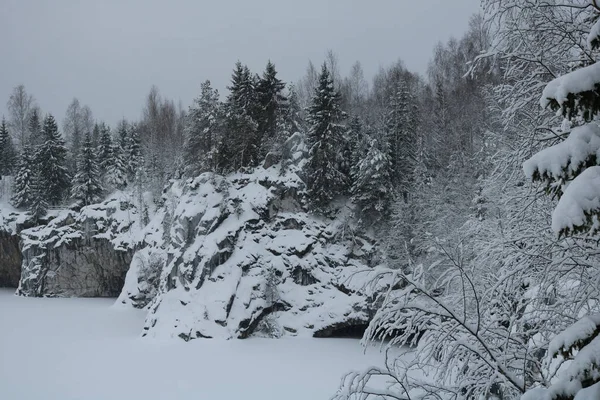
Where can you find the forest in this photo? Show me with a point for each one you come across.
(479, 181)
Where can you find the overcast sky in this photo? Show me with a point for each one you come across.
(108, 53)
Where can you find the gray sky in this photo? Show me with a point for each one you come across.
(108, 53)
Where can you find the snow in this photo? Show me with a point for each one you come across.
(581, 80)
(85, 349)
(590, 393)
(579, 331)
(594, 35)
(568, 156)
(580, 202)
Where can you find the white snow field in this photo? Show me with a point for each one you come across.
(67, 349)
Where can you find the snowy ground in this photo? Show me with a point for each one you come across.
(84, 349)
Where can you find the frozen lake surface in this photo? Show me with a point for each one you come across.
(67, 349)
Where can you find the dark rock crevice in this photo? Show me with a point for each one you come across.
(349, 329)
(10, 260)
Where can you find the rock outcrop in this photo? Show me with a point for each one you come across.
(237, 256)
(11, 222)
(10, 259)
(226, 257)
(80, 254)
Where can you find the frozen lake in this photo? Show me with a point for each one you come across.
(67, 349)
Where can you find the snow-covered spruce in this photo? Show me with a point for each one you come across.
(235, 256)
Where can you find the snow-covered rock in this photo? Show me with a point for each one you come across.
(235, 256)
(80, 254)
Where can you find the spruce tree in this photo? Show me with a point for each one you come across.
(51, 160)
(36, 136)
(401, 135)
(570, 170)
(24, 179)
(359, 144)
(271, 102)
(123, 135)
(135, 161)
(326, 141)
(105, 152)
(6, 150)
(87, 187)
(99, 128)
(240, 146)
(203, 132)
(38, 206)
(372, 188)
(116, 171)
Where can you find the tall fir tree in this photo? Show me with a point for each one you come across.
(97, 133)
(23, 186)
(372, 189)
(7, 151)
(87, 187)
(135, 160)
(272, 104)
(326, 142)
(359, 143)
(123, 134)
(203, 131)
(51, 160)
(400, 127)
(38, 206)
(105, 152)
(36, 136)
(240, 146)
(116, 171)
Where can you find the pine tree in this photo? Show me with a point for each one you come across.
(87, 187)
(325, 140)
(372, 189)
(51, 160)
(203, 130)
(24, 179)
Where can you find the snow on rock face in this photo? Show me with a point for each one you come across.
(237, 256)
(80, 254)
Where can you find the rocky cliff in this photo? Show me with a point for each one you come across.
(11, 222)
(10, 259)
(226, 257)
(239, 255)
(82, 254)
